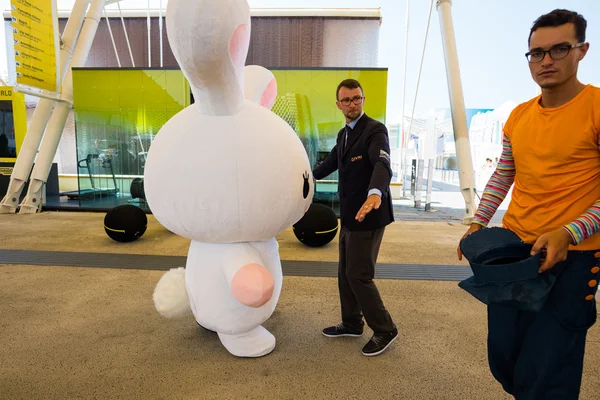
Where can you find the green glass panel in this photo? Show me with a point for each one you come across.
(118, 113)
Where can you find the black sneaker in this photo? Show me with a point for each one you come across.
(379, 343)
(342, 330)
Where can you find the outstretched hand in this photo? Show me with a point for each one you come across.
(556, 245)
(372, 202)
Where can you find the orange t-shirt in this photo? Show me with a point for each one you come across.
(557, 164)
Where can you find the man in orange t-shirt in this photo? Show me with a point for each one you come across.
(551, 153)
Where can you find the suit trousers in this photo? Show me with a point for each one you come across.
(358, 294)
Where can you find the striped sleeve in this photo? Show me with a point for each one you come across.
(498, 186)
(586, 225)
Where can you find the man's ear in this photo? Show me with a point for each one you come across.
(337, 103)
(583, 50)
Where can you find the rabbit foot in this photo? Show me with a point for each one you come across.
(255, 343)
(252, 285)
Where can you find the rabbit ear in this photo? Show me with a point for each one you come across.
(260, 86)
(238, 46)
(269, 95)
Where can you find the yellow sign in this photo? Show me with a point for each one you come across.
(13, 123)
(35, 38)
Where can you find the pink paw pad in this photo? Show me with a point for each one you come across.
(252, 285)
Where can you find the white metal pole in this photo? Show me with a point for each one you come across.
(41, 115)
(457, 106)
(126, 36)
(419, 181)
(412, 117)
(402, 133)
(33, 200)
(149, 34)
(420, 69)
(429, 184)
(112, 38)
(71, 34)
(160, 31)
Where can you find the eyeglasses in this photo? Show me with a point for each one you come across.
(356, 100)
(557, 52)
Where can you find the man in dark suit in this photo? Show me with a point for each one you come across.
(362, 156)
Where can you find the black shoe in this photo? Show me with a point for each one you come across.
(379, 343)
(342, 330)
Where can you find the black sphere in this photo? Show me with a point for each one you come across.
(317, 227)
(125, 223)
(137, 189)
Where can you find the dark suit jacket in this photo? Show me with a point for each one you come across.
(364, 165)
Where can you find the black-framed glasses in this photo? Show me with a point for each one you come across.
(356, 100)
(557, 52)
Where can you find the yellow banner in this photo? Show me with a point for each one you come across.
(35, 36)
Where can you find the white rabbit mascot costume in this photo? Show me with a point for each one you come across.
(229, 175)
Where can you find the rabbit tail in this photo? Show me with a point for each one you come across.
(170, 295)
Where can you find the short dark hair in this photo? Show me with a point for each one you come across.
(560, 17)
(348, 84)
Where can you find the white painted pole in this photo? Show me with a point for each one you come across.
(126, 36)
(429, 184)
(33, 200)
(457, 106)
(112, 39)
(149, 23)
(402, 134)
(71, 34)
(160, 31)
(41, 115)
(412, 117)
